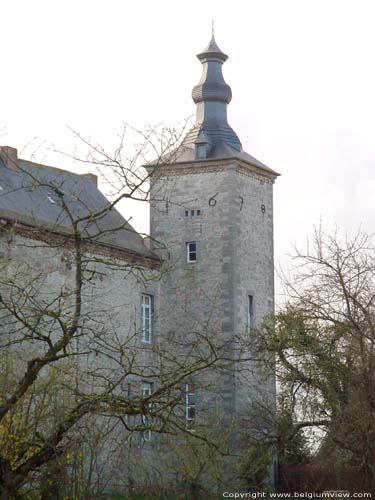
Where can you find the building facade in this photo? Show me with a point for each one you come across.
(207, 278)
(212, 209)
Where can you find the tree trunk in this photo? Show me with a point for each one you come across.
(5, 473)
(7, 489)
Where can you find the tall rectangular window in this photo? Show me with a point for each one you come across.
(146, 391)
(147, 317)
(250, 312)
(190, 401)
(191, 251)
(127, 392)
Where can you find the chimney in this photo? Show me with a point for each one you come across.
(9, 156)
(91, 177)
(147, 242)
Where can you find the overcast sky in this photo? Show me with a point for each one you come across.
(302, 75)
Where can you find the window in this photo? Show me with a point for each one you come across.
(201, 151)
(250, 313)
(189, 406)
(147, 317)
(146, 390)
(127, 392)
(191, 251)
(51, 200)
(192, 213)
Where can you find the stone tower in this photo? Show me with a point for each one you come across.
(212, 221)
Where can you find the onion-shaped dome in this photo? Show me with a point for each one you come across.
(212, 95)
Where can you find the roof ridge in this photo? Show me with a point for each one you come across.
(50, 167)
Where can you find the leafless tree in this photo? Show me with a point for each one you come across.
(323, 340)
(69, 336)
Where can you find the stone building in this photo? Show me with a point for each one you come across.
(212, 208)
(211, 230)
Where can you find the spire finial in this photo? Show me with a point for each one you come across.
(212, 95)
(213, 28)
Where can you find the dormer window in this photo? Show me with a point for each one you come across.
(201, 151)
(202, 146)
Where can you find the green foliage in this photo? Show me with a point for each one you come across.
(324, 345)
(255, 465)
(293, 447)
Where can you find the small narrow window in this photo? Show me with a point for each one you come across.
(250, 313)
(147, 317)
(186, 213)
(190, 402)
(191, 251)
(192, 213)
(146, 391)
(198, 212)
(127, 392)
(51, 200)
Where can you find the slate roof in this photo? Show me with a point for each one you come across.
(27, 197)
(211, 96)
(212, 49)
(220, 151)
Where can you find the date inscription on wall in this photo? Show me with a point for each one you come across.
(212, 201)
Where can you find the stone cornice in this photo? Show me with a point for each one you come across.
(212, 166)
(61, 240)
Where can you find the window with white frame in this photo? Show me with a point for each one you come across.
(250, 312)
(146, 391)
(191, 251)
(147, 311)
(190, 401)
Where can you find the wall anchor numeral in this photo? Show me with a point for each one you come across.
(212, 201)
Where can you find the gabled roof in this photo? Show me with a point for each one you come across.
(28, 196)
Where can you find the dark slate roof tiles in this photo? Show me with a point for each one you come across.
(28, 195)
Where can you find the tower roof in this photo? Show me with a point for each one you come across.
(211, 137)
(212, 50)
(211, 96)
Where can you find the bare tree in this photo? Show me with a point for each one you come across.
(323, 340)
(70, 336)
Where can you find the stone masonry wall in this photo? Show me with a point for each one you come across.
(234, 259)
(111, 333)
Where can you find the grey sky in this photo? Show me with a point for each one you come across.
(301, 72)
